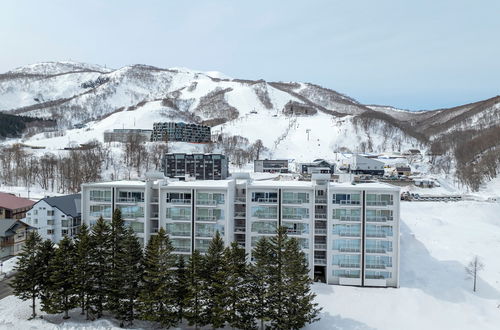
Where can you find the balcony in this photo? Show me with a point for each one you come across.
(346, 202)
(319, 261)
(154, 199)
(378, 219)
(320, 246)
(265, 200)
(239, 229)
(320, 231)
(320, 215)
(296, 232)
(319, 200)
(179, 201)
(271, 216)
(348, 265)
(295, 216)
(239, 214)
(348, 218)
(180, 233)
(379, 203)
(206, 202)
(295, 201)
(378, 234)
(180, 217)
(377, 266)
(154, 215)
(182, 249)
(345, 234)
(129, 200)
(349, 249)
(240, 199)
(376, 250)
(207, 218)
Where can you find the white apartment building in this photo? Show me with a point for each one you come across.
(349, 233)
(56, 217)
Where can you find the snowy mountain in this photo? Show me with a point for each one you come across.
(294, 120)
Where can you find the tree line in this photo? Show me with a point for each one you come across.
(105, 271)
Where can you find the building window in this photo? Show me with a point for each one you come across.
(50, 231)
(50, 213)
(50, 222)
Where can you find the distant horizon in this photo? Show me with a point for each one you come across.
(409, 55)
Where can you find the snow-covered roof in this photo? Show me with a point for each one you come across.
(199, 183)
(121, 183)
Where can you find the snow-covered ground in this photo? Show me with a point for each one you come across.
(437, 240)
(8, 265)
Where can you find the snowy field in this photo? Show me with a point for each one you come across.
(437, 241)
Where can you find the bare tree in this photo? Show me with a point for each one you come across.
(473, 268)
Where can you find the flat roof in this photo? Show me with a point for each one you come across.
(199, 183)
(367, 185)
(121, 183)
(272, 183)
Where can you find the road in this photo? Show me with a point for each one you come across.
(5, 289)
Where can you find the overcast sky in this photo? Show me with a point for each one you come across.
(409, 54)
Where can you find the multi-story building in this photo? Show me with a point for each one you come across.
(56, 217)
(181, 132)
(198, 166)
(271, 165)
(13, 207)
(363, 165)
(349, 233)
(13, 234)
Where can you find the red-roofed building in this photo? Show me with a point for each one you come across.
(13, 207)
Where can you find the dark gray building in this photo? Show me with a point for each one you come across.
(199, 166)
(181, 132)
(304, 168)
(271, 165)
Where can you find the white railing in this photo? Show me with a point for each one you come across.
(346, 202)
(320, 215)
(179, 201)
(378, 219)
(320, 200)
(210, 202)
(350, 219)
(239, 214)
(206, 218)
(376, 266)
(320, 246)
(265, 200)
(348, 265)
(321, 231)
(376, 250)
(295, 201)
(378, 203)
(349, 249)
(343, 234)
(319, 261)
(240, 199)
(239, 229)
(129, 200)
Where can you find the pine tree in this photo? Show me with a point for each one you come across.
(240, 306)
(129, 267)
(115, 281)
(193, 299)
(62, 279)
(100, 266)
(214, 294)
(181, 287)
(26, 284)
(83, 268)
(277, 296)
(46, 254)
(300, 308)
(157, 297)
(260, 280)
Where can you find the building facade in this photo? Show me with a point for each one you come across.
(198, 166)
(13, 234)
(181, 132)
(13, 207)
(364, 165)
(349, 233)
(56, 217)
(271, 165)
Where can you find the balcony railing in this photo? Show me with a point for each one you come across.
(320, 246)
(376, 250)
(347, 202)
(349, 276)
(295, 201)
(375, 277)
(241, 199)
(239, 214)
(320, 215)
(320, 200)
(378, 234)
(180, 233)
(378, 219)
(377, 266)
(349, 218)
(207, 218)
(378, 203)
(154, 199)
(296, 232)
(273, 216)
(265, 200)
(264, 231)
(154, 215)
(179, 201)
(207, 202)
(348, 265)
(239, 229)
(180, 217)
(319, 261)
(320, 231)
(295, 216)
(349, 249)
(129, 200)
(344, 234)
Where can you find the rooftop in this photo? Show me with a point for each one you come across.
(12, 202)
(69, 204)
